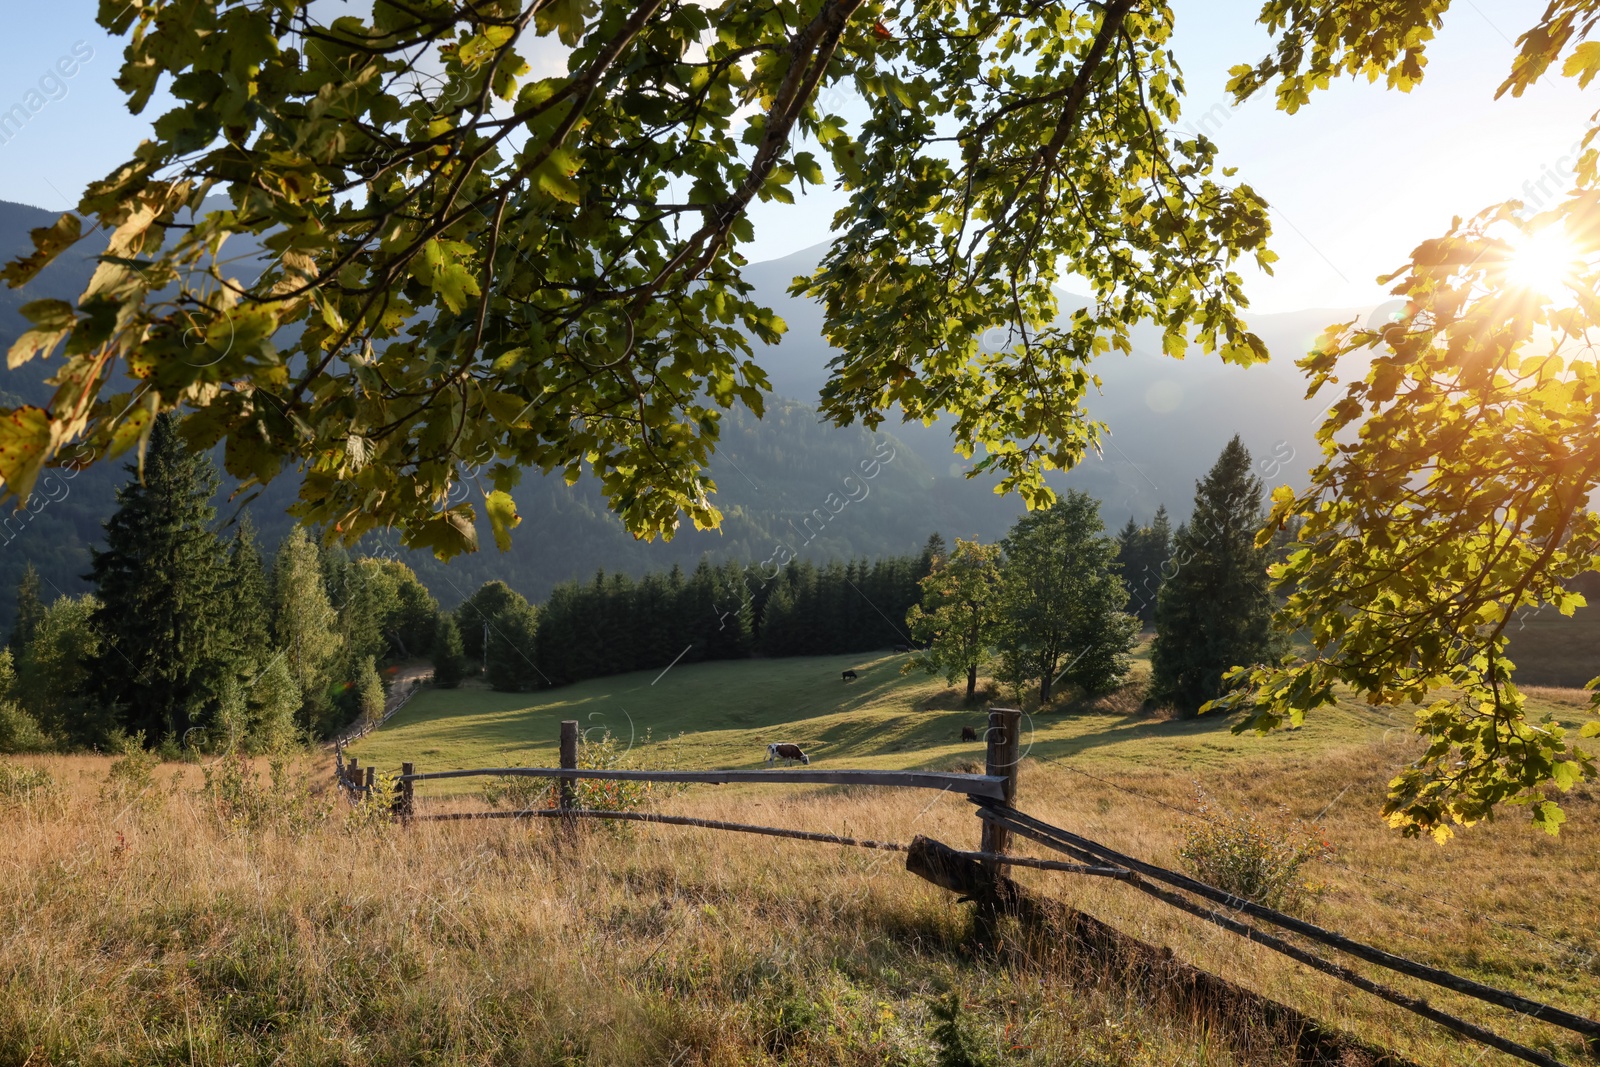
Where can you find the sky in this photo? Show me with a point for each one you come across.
(1356, 179)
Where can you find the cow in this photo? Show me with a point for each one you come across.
(781, 750)
(968, 734)
(849, 676)
(902, 648)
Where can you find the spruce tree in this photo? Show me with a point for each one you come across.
(30, 609)
(162, 619)
(303, 622)
(1215, 608)
(449, 659)
(249, 600)
(1144, 552)
(513, 641)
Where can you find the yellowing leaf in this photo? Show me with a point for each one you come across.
(503, 517)
(24, 441)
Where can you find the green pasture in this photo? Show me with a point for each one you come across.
(723, 715)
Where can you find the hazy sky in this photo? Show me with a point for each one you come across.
(1356, 179)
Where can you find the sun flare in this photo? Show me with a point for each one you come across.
(1543, 261)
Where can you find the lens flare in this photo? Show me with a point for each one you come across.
(1543, 261)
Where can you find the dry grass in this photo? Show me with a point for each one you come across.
(150, 930)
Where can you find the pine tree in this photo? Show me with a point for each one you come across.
(1062, 601)
(162, 619)
(1215, 609)
(30, 609)
(449, 659)
(303, 622)
(959, 613)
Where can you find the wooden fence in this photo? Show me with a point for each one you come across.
(978, 874)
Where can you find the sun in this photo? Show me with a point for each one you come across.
(1543, 261)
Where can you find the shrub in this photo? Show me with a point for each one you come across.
(19, 731)
(1242, 855)
(131, 776)
(603, 753)
(25, 785)
(243, 803)
(373, 812)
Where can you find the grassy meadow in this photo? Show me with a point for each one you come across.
(724, 714)
(160, 922)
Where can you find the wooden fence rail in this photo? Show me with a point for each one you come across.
(1093, 852)
(977, 785)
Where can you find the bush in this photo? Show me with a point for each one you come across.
(25, 785)
(243, 803)
(594, 794)
(131, 776)
(1242, 855)
(19, 731)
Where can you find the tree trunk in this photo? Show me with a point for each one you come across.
(972, 681)
(1044, 690)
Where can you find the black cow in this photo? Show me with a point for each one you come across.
(902, 648)
(784, 751)
(849, 676)
(968, 734)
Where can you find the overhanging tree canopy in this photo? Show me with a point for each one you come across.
(1459, 465)
(502, 234)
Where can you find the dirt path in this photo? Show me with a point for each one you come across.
(398, 684)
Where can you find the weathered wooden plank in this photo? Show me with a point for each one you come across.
(978, 785)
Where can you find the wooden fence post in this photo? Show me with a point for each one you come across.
(352, 774)
(569, 761)
(372, 780)
(1004, 739)
(406, 801)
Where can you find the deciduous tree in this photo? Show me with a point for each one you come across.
(303, 621)
(471, 265)
(1062, 601)
(1459, 466)
(959, 613)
